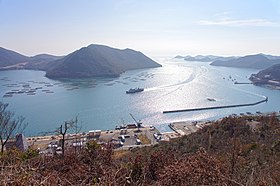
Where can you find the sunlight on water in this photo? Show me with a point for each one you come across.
(101, 103)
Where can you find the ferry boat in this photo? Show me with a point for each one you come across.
(134, 90)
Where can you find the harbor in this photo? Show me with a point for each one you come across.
(125, 138)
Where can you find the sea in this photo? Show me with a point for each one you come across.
(102, 103)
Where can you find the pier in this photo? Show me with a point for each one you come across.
(217, 107)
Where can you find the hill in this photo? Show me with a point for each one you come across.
(232, 151)
(9, 58)
(41, 62)
(44, 58)
(269, 76)
(258, 61)
(99, 60)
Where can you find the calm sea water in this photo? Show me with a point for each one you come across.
(102, 103)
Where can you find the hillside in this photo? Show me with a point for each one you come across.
(232, 151)
(41, 62)
(9, 58)
(258, 61)
(44, 58)
(270, 76)
(99, 60)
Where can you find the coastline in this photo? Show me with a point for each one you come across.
(126, 138)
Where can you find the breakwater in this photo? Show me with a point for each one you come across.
(242, 83)
(217, 107)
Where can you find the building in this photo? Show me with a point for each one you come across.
(19, 143)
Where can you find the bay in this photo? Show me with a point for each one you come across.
(101, 103)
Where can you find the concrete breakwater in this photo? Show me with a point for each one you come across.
(242, 83)
(217, 107)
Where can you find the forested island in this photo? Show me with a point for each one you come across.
(90, 61)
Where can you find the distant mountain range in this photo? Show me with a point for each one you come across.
(258, 61)
(91, 61)
(270, 65)
(202, 58)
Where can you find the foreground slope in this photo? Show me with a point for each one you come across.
(98, 60)
(232, 151)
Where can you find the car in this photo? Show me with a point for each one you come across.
(157, 136)
(138, 142)
(122, 138)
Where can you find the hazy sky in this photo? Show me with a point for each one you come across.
(155, 27)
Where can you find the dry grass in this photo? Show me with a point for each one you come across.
(226, 153)
(144, 139)
(120, 153)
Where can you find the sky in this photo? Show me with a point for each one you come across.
(154, 27)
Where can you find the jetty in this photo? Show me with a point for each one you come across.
(242, 83)
(217, 107)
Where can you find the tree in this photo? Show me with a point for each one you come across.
(9, 125)
(63, 129)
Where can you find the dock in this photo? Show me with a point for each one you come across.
(217, 107)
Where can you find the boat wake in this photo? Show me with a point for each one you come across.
(196, 72)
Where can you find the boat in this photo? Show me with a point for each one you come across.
(211, 99)
(134, 90)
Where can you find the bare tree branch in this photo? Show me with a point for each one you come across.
(9, 125)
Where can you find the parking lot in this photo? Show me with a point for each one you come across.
(125, 138)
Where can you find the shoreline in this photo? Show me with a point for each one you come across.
(125, 139)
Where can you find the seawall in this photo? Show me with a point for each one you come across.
(217, 107)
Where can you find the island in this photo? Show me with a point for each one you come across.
(91, 61)
(97, 61)
(267, 77)
(258, 61)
